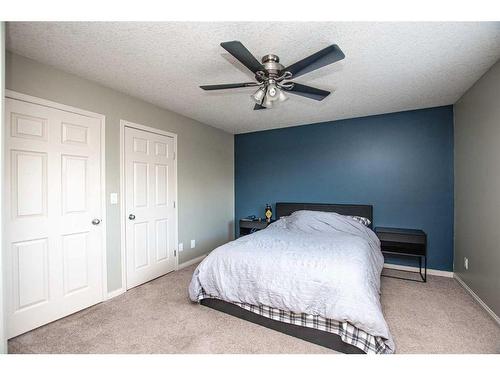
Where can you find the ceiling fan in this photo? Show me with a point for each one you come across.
(273, 79)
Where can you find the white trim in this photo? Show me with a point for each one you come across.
(115, 293)
(3, 284)
(103, 210)
(63, 107)
(479, 300)
(148, 129)
(430, 271)
(122, 206)
(47, 103)
(191, 262)
(123, 124)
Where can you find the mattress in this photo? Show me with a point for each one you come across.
(323, 266)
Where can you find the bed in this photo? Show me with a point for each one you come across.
(313, 274)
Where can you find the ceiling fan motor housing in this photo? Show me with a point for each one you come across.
(272, 65)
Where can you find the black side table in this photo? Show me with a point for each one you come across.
(405, 242)
(251, 226)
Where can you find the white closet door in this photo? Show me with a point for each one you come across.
(53, 193)
(149, 205)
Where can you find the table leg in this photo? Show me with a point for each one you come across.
(425, 269)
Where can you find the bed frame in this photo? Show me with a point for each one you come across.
(364, 210)
(326, 339)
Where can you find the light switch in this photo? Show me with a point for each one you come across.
(113, 198)
(180, 247)
(193, 244)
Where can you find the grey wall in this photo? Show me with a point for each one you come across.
(477, 187)
(205, 156)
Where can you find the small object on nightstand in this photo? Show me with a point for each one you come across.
(268, 213)
(247, 227)
(404, 242)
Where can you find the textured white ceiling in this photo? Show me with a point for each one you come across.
(388, 66)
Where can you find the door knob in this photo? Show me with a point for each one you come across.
(96, 221)
(131, 217)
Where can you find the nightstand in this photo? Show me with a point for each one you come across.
(405, 242)
(251, 226)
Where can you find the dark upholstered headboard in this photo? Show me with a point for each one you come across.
(365, 210)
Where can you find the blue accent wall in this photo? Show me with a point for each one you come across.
(401, 163)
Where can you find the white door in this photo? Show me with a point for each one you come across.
(54, 253)
(150, 230)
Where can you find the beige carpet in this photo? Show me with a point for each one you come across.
(157, 317)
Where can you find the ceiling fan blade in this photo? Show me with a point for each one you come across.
(317, 60)
(258, 106)
(228, 86)
(308, 91)
(238, 50)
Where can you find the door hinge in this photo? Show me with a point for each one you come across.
(175, 253)
(174, 155)
(174, 204)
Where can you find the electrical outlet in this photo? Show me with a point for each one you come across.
(113, 198)
(181, 246)
(466, 263)
(193, 244)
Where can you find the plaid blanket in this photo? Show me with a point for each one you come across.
(347, 332)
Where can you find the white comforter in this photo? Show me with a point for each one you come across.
(310, 262)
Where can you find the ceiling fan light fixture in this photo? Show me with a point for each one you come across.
(273, 92)
(282, 97)
(259, 95)
(267, 102)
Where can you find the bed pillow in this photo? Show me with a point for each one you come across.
(314, 221)
(362, 220)
(320, 221)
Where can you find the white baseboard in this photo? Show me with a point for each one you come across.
(479, 300)
(115, 293)
(430, 271)
(191, 262)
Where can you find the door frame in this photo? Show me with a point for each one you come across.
(149, 129)
(10, 94)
